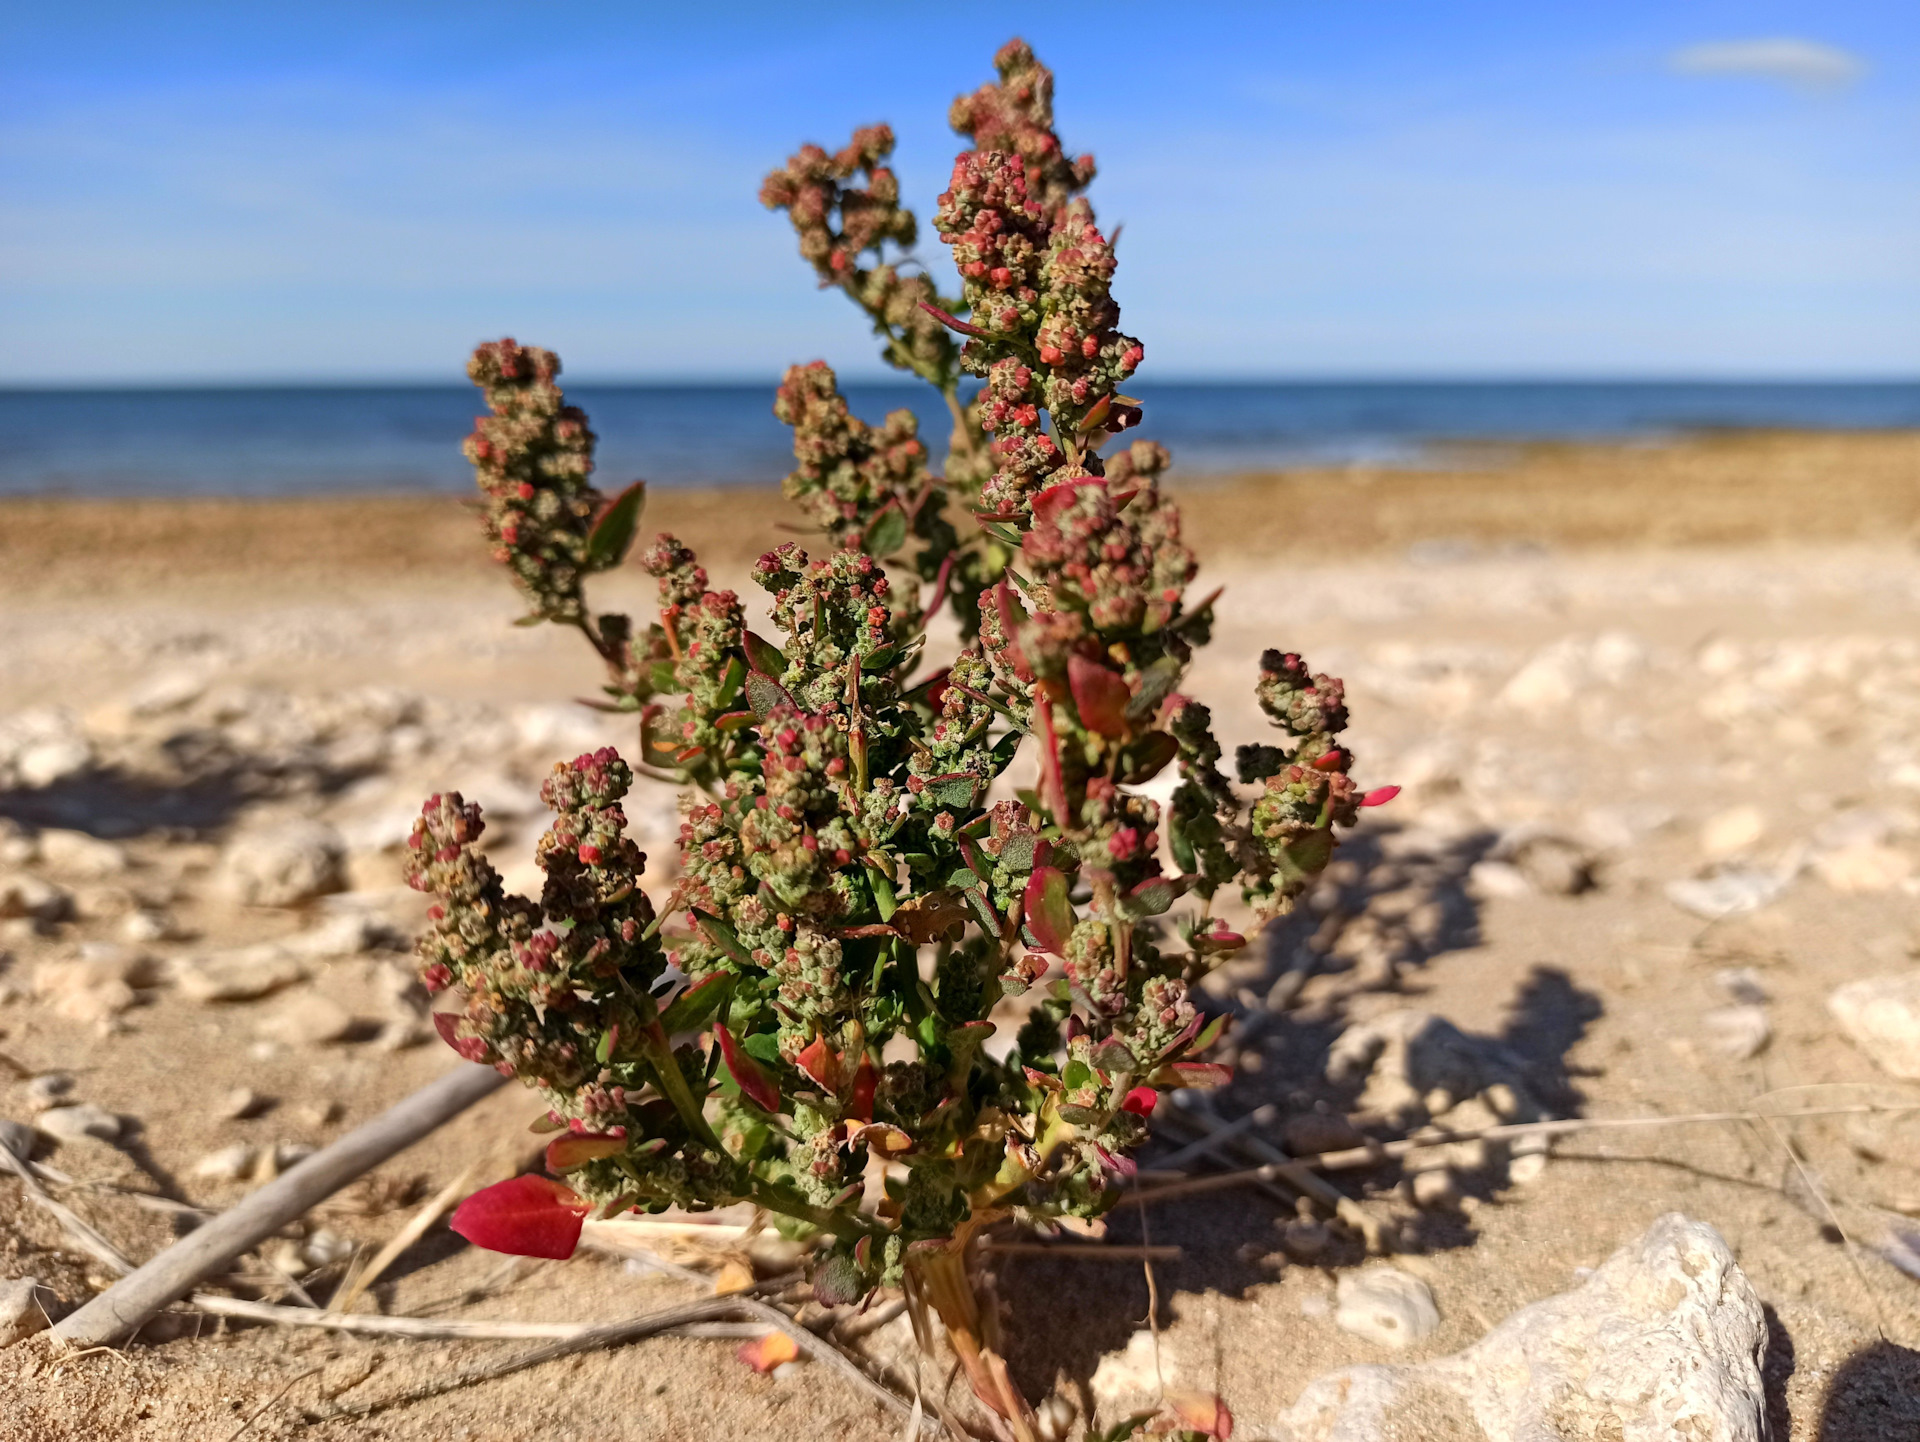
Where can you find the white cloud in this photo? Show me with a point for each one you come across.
(1804, 64)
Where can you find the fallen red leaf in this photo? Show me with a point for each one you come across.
(528, 1216)
(769, 1352)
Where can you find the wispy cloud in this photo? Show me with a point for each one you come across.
(1803, 64)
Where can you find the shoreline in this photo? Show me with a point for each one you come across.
(1719, 489)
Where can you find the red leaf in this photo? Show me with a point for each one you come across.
(818, 1061)
(1197, 1074)
(1380, 796)
(529, 1216)
(1201, 1412)
(576, 1150)
(470, 1047)
(939, 590)
(1099, 695)
(1141, 1101)
(1053, 790)
(865, 1080)
(754, 1084)
(1049, 914)
(768, 1352)
(1056, 498)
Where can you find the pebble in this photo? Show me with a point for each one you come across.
(1437, 1190)
(1739, 1031)
(325, 1247)
(240, 1103)
(285, 865)
(1728, 893)
(1305, 1238)
(76, 854)
(1554, 866)
(1732, 832)
(229, 1164)
(307, 1021)
(1498, 879)
(72, 1123)
(243, 975)
(29, 897)
(1525, 1170)
(142, 925)
(1385, 1305)
(1866, 868)
(18, 1138)
(1882, 1016)
(47, 1089)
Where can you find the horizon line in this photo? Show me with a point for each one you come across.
(745, 382)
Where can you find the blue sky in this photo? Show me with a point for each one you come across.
(332, 192)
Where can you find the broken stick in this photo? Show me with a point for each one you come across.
(207, 1251)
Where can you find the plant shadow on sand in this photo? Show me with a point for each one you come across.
(1396, 898)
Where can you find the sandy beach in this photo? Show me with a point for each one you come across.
(1656, 710)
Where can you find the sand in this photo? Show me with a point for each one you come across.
(1613, 649)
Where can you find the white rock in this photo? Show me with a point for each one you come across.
(1385, 1305)
(1663, 1341)
(285, 865)
(1882, 1015)
(229, 1164)
(239, 1103)
(29, 896)
(1525, 1170)
(1554, 866)
(1732, 832)
(245, 974)
(42, 763)
(1727, 893)
(26, 1307)
(325, 1247)
(18, 846)
(307, 1021)
(346, 933)
(71, 1124)
(76, 854)
(1617, 656)
(1498, 879)
(48, 1089)
(142, 925)
(167, 691)
(1739, 1031)
(1546, 683)
(1863, 868)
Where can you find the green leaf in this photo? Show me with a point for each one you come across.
(721, 935)
(1156, 684)
(696, 1003)
(886, 533)
(1023, 851)
(957, 789)
(736, 673)
(1002, 532)
(765, 657)
(1182, 846)
(1154, 897)
(612, 534)
(1147, 758)
(762, 1046)
(1049, 913)
(764, 694)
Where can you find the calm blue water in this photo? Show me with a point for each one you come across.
(258, 442)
